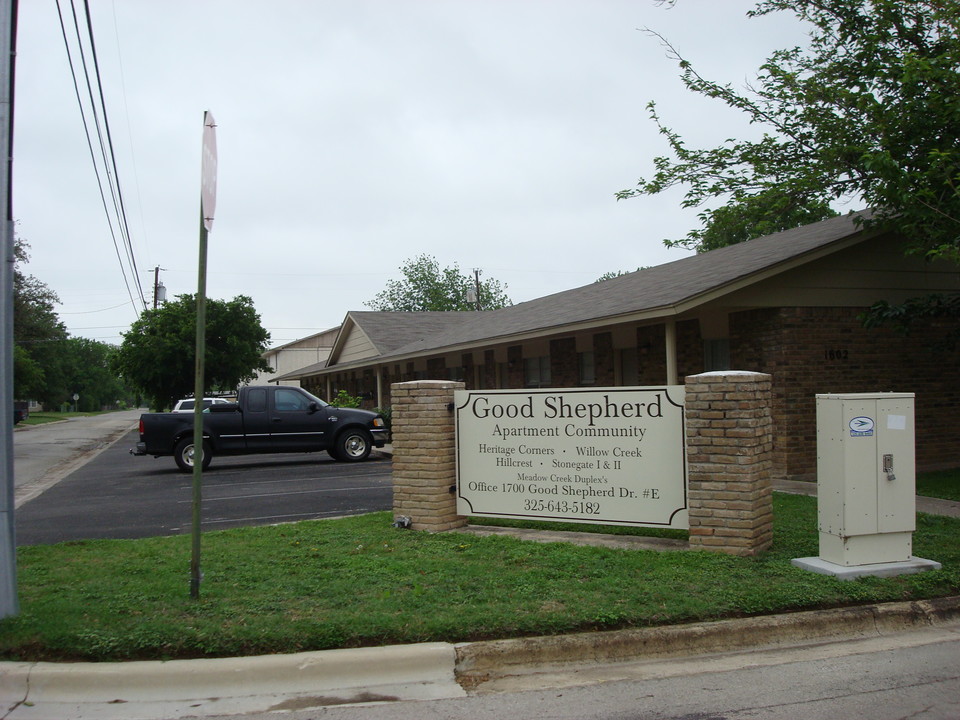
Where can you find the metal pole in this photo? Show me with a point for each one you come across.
(8, 543)
(476, 280)
(198, 393)
(208, 194)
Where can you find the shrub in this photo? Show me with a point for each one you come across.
(345, 400)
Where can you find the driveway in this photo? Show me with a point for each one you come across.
(76, 480)
(45, 454)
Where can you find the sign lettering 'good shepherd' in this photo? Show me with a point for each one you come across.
(605, 456)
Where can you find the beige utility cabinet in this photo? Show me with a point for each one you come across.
(866, 477)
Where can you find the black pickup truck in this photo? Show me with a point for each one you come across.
(265, 419)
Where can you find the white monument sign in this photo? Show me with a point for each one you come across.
(600, 455)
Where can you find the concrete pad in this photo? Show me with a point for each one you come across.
(851, 572)
(620, 542)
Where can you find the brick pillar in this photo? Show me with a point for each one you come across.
(424, 454)
(729, 457)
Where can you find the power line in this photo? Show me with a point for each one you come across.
(100, 327)
(88, 312)
(119, 204)
(106, 149)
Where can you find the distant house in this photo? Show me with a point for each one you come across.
(786, 304)
(293, 356)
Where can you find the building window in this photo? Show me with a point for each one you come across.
(588, 370)
(536, 371)
(716, 355)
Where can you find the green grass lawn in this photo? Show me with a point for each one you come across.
(359, 581)
(42, 418)
(942, 484)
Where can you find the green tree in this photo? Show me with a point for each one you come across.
(610, 275)
(88, 369)
(755, 216)
(38, 335)
(158, 353)
(27, 375)
(426, 287)
(867, 113)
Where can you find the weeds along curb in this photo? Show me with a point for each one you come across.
(481, 661)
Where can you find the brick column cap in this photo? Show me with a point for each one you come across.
(719, 374)
(435, 384)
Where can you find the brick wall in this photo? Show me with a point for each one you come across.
(603, 358)
(729, 445)
(489, 369)
(689, 349)
(424, 455)
(827, 350)
(436, 367)
(514, 377)
(651, 361)
(729, 459)
(564, 363)
(806, 350)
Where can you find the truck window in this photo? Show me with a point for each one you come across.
(290, 401)
(257, 400)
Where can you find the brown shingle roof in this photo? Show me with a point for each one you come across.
(663, 287)
(656, 291)
(391, 330)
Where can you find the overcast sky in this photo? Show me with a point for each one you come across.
(356, 134)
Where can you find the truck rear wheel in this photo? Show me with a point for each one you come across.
(184, 455)
(352, 445)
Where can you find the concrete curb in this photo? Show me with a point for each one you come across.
(483, 661)
(150, 690)
(195, 688)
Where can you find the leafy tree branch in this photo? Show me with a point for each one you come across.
(868, 112)
(158, 353)
(425, 287)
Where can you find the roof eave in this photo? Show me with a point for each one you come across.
(646, 315)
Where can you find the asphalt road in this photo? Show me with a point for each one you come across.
(45, 454)
(117, 495)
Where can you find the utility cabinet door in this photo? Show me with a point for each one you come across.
(896, 490)
(830, 466)
(859, 442)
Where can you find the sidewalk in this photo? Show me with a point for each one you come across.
(931, 506)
